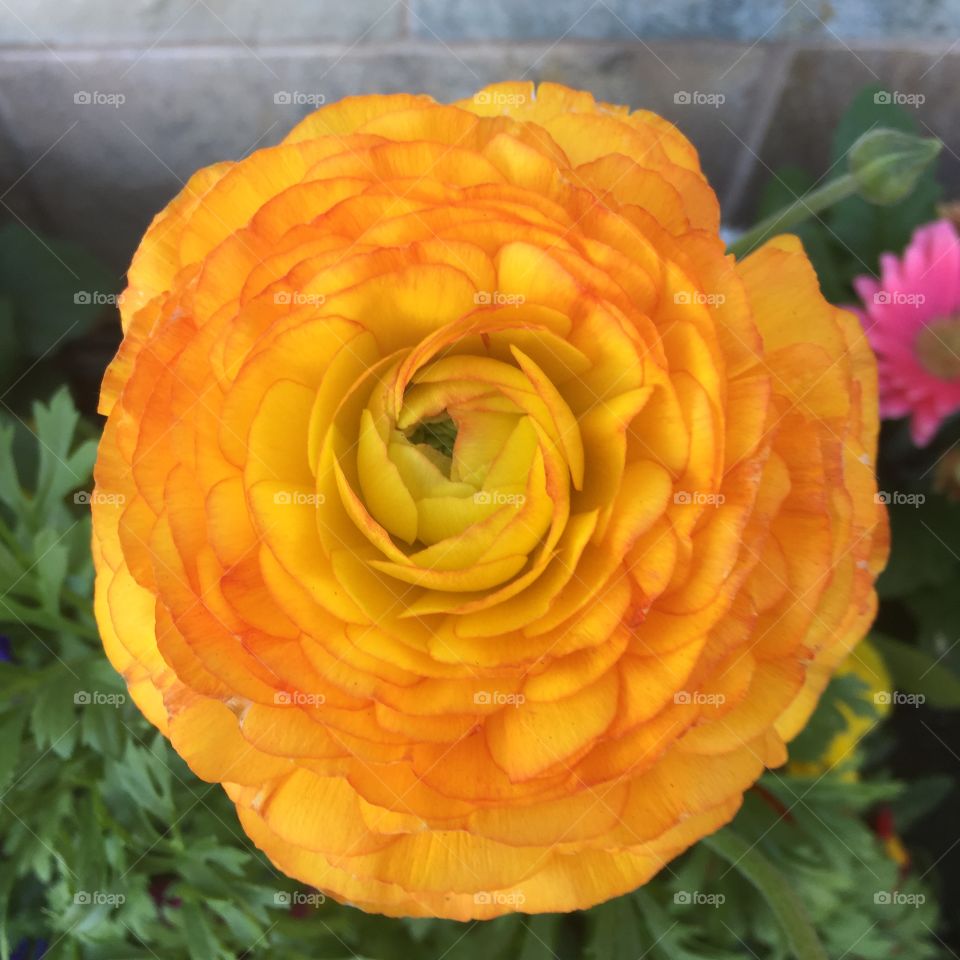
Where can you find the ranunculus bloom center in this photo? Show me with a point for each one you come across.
(462, 475)
(938, 348)
(437, 433)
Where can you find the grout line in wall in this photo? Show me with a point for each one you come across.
(413, 43)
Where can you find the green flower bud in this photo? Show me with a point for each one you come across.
(887, 164)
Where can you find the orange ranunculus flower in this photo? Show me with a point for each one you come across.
(485, 529)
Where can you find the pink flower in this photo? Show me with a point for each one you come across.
(911, 316)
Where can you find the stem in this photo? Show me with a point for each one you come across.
(794, 213)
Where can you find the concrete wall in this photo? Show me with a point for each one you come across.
(107, 107)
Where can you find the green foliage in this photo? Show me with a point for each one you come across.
(51, 293)
(917, 586)
(808, 837)
(799, 935)
(923, 535)
(45, 567)
(916, 671)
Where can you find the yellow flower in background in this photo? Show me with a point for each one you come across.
(840, 755)
(479, 524)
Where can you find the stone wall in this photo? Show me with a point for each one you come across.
(107, 107)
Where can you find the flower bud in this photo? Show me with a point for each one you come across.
(887, 164)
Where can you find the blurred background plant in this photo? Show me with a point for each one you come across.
(111, 849)
(54, 299)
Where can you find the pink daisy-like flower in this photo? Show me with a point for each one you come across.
(911, 316)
